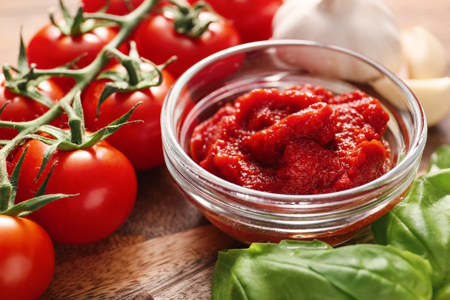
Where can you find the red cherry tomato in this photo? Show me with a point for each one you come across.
(22, 108)
(27, 259)
(116, 7)
(140, 142)
(252, 18)
(157, 40)
(50, 48)
(102, 176)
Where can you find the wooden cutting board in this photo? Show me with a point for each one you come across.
(175, 266)
(167, 249)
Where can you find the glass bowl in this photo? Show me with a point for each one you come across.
(255, 216)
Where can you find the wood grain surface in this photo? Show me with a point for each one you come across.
(167, 249)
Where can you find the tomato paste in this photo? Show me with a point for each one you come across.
(304, 140)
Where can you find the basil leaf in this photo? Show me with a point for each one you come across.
(314, 270)
(443, 292)
(440, 159)
(421, 223)
(255, 273)
(376, 272)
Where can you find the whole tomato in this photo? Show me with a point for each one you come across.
(116, 7)
(102, 176)
(157, 40)
(27, 259)
(50, 48)
(140, 142)
(252, 18)
(20, 108)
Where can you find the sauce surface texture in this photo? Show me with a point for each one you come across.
(302, 141)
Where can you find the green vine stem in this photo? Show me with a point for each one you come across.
(134, 79)
(82, 76)
(187, 19)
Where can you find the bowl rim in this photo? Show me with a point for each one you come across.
(417, 140)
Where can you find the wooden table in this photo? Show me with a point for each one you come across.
(167, 249)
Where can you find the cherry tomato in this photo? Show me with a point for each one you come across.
(50, 48)
(102, 176)
(116, 7)
(140, 142)
(252, 18)
(22, 108)
(27, 259)
(157, 40)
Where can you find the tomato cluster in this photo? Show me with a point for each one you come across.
(100, 178)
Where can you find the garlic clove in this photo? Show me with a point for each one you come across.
(424, 54)
(403, 72)
(434, 95)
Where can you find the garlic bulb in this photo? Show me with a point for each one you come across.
(424, 53)
(364, 26)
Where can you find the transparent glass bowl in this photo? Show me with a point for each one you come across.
(254, 216)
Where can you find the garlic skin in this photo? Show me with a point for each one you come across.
(424, 54)
(434, 96)
(364, 26)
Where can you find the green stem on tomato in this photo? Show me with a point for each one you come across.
(15, 125)
(76, 28)
(5, 188)
(187, 21)
(130, 64)
(104, 17)
(60, 72)
(76, 124)
(83, 78)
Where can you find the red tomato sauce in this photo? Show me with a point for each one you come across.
(304, 140)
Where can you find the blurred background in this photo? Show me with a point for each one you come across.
(30, 15)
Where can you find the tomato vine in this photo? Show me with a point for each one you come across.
(83, 76)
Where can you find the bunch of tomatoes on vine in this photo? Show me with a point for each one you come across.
(80, 115)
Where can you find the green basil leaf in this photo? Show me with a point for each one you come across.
(270, 271)
(440, 159)
(376, 272)
(443, 292)
(314, 270)
(421, 223)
